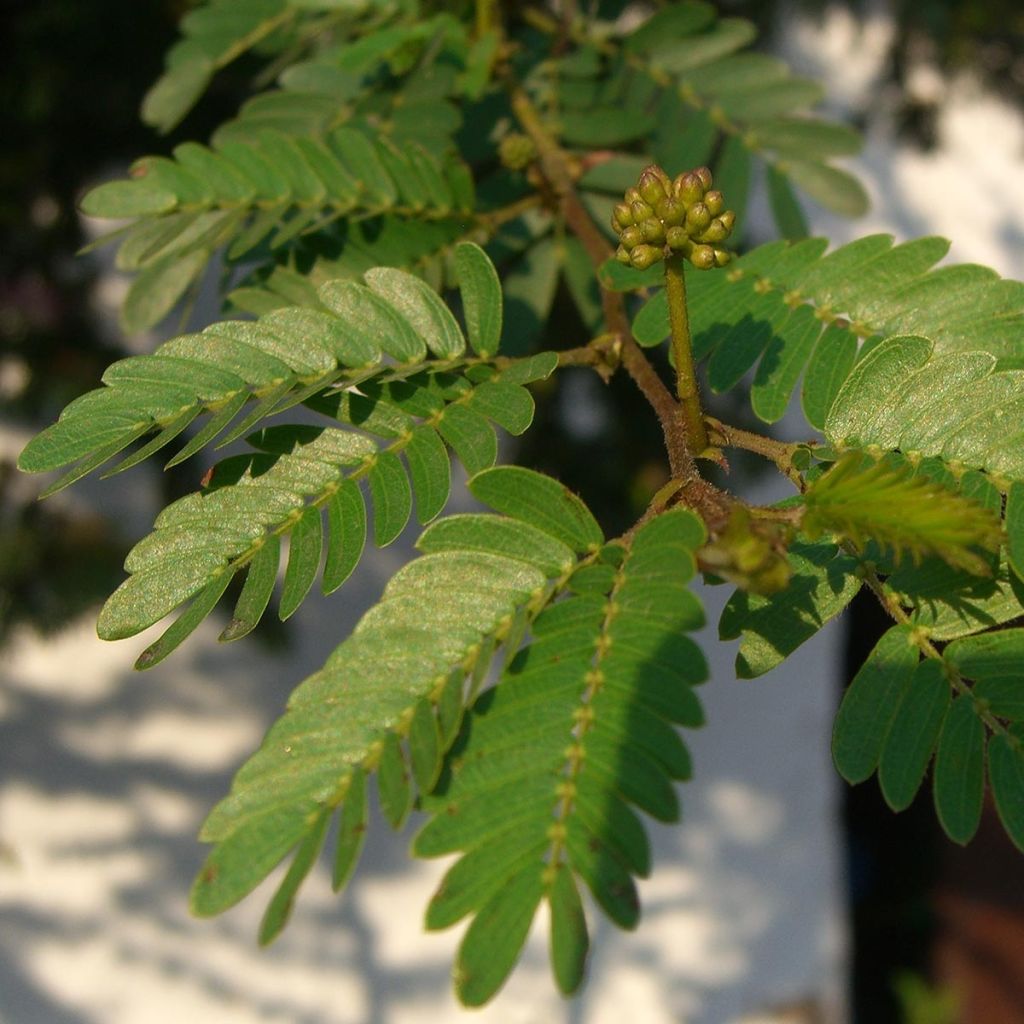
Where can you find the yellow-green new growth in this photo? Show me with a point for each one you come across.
(885, 501)
(661, 217)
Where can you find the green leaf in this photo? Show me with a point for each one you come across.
(959, 773)
(346, 535)
(569, 939)
(480, 289)
(255, 595)
(733, 171)
(507, 537)
(424, 746)
(509, 405)
(782, 363)
(306, 547)
(393, 782)
(833, 188)
(887, 502)
(678, 57)
(857, 401)
(135, 197)
(470, 435)
(352, 825)
(392, 498)
(156, 291)
(995, 661)
(618, 278)
(540, 501)
(830, 364)
(1006, 777)
(604, 126)
(822, 585)
(493, 942)
(175, 93)
(789, 217)
(280, 907)
(430, 471)
(870, 702)
(1014, 523)
(673, 22)
(185, 624)
(419, 305)
(913, 734)
(803, 137)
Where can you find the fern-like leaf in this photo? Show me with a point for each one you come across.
(685, 82)
(391, 696)
(579, 728)
(357, 337)
(885, 501)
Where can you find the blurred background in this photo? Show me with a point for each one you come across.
(782, 897)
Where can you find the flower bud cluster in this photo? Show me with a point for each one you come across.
(516, 151)
(663, 216)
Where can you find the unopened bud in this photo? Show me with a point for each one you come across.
(622, 217)
(729, 220)
(632, 196)
(671, 211)
(722, 257)
(703, 257)
(654, 230)
(688, 188)
(714, 202)
(641, 210)
(704, 176)
(716, 232)
(698, 217)
(677, 239)
(644, 256)
(632, 236)
(650, 187)
(622, 255)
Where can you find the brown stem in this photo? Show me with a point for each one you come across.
(557, 173)
(779, 452)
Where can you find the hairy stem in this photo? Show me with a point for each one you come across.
(682, 351)
(779, 452)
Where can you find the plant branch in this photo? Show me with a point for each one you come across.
(682, 351)
(778, 452)
(555, 168)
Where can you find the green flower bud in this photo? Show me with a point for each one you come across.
(651, 187)
(654, 230)
(729, 220)
(516, 151)
(714, 202)
(632, 196)
(622, 217)
(622, 255)
(671, 211)
(641, 211)
(703, 174)
(644, 256)
(677, 239)
(702, 257)
(722, 257)
(716, 232)
(632, 236)
(688, 188)
(698, 217)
